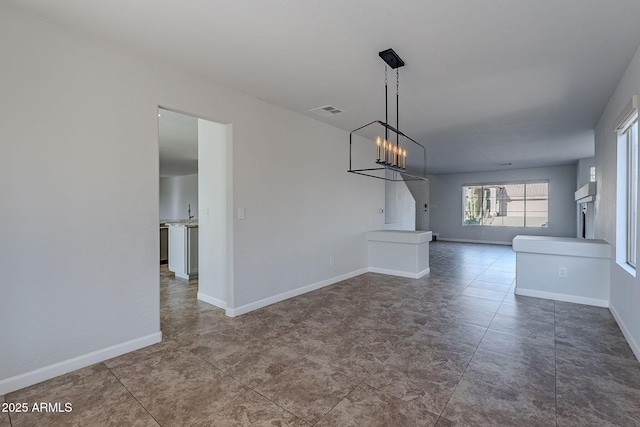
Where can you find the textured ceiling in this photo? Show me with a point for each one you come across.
(485, 82)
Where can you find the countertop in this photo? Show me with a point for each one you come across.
(179, 223)
(400, 236)
(569, 246)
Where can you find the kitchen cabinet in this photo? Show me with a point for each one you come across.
(183, 250)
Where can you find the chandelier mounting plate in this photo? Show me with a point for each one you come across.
(391, 58)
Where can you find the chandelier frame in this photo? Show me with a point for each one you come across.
(393, 156)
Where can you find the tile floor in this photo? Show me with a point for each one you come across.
(456, 347)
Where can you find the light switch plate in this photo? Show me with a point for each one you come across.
(204, 212)
(241, 213)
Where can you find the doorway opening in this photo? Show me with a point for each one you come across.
(195, 200)
(178, 192)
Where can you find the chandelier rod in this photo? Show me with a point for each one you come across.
(398, 106)
(386, 105)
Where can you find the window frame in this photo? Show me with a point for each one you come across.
(626, 128)
(504, 183)
(630, 135)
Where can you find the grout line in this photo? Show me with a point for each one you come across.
(240, 382)
(465, 370)
(266, 398)
(470, 359)
(555, 362)
(275, 403)
(347, 395)
(4, 399)
(132, 395)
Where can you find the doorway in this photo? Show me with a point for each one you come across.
(420, 192)
(198, 150)
(178, 192)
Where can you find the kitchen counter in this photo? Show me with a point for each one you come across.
(183, 249)
(180, 223)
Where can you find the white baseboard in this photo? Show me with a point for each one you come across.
(400, 273)
(562, 297)
(632, 343)
(243, 309)
(45, 373)
(211, 300)
(486, 242)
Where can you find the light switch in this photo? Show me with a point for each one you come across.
(241, 213)
(204, 212)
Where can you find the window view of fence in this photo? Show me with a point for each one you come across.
(507, 205)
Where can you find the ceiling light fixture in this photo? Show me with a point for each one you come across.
(396, 157)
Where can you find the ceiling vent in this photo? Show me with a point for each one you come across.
(327, 111)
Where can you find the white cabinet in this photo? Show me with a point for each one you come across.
(183, 250)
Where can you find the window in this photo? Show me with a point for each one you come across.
(523, 204)
(632, 192)
(627, 191)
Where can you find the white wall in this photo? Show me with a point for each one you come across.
(400, 206)
(625, 289)
(583, 171)
(80, 198)
(176, 194)
(583, 175)
(446, 204)
(298, 213)
(215, 178)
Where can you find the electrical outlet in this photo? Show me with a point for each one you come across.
(562, 272)
(380, 210)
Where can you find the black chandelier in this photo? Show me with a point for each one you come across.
(397, 156)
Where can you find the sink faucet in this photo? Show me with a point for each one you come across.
(190, 216)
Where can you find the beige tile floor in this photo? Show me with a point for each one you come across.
(456, 347)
